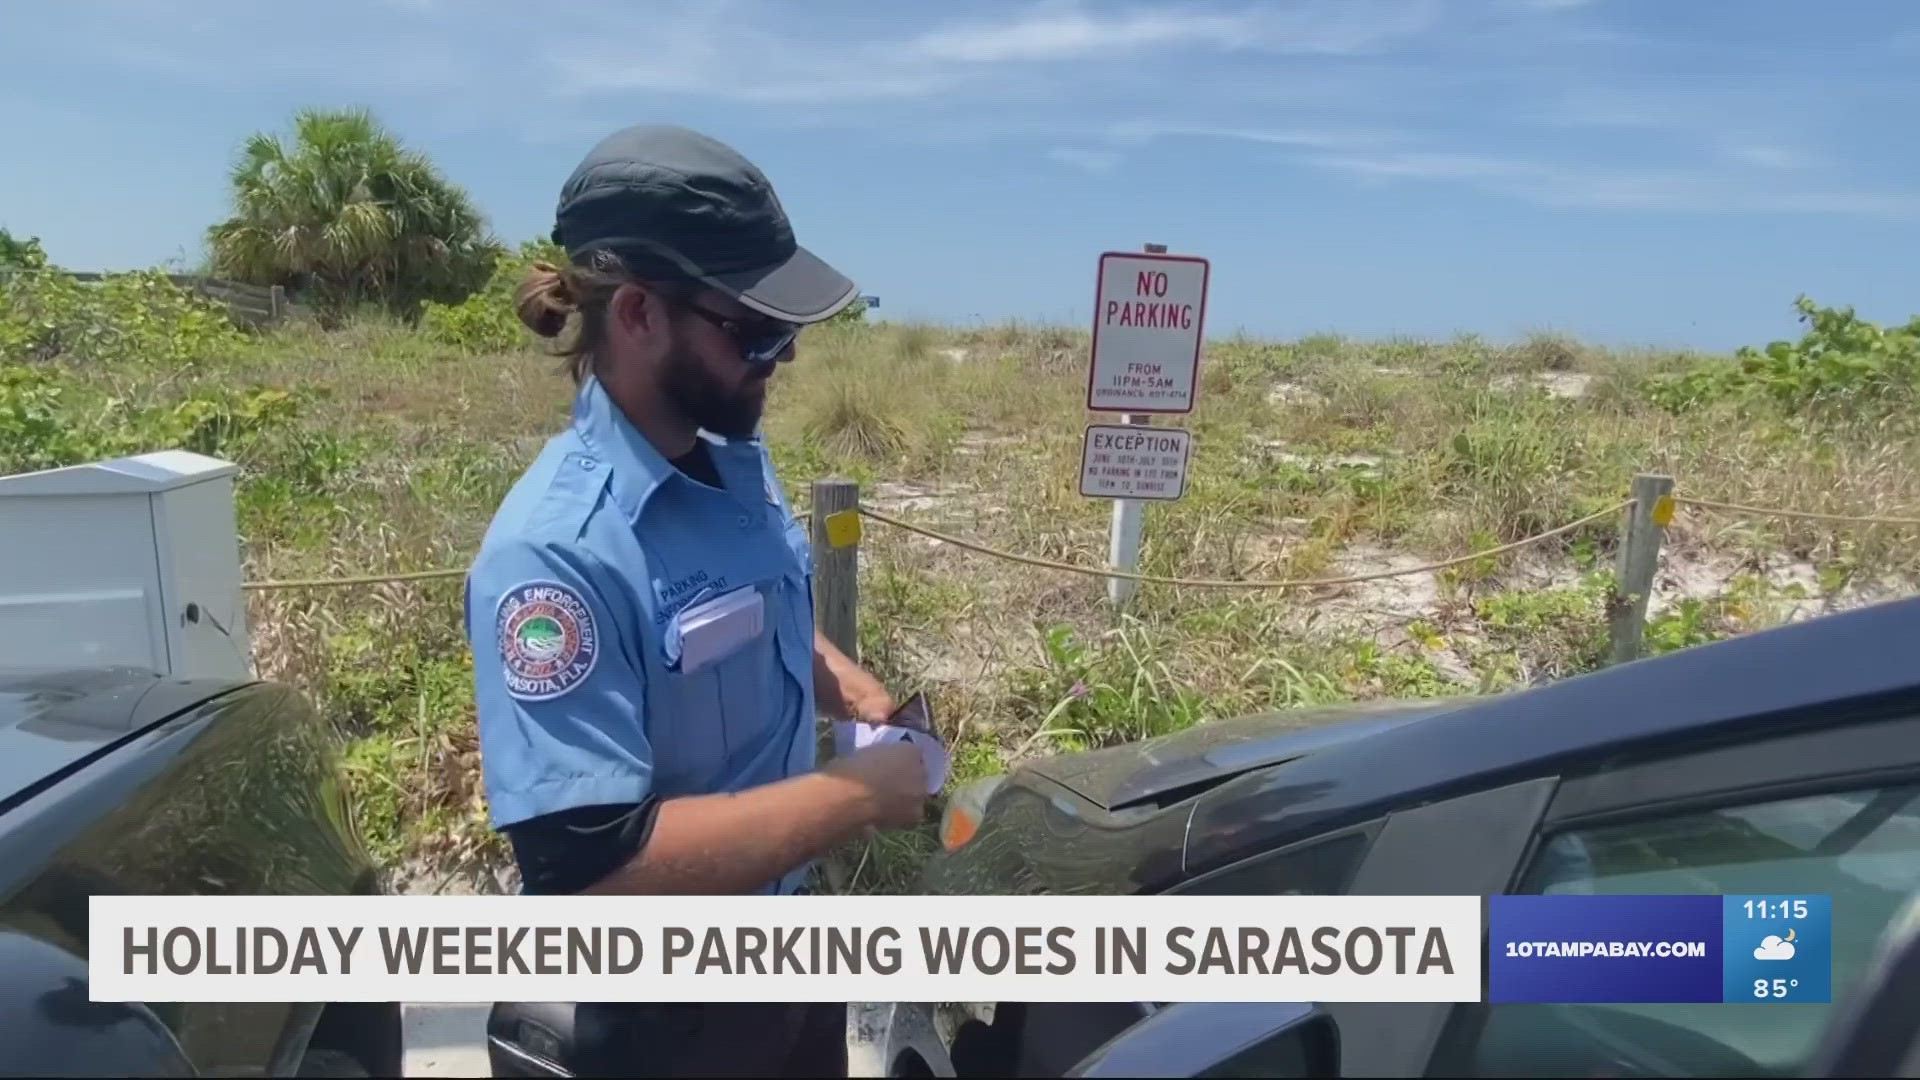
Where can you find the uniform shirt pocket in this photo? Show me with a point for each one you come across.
(721, 714)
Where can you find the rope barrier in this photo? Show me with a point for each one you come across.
(1195, 583)
(368, 579)
(1761, 511)
(1205, 583)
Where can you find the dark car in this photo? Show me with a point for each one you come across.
(120, 782)
(1786, 761)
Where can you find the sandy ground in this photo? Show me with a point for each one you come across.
(446, 1040)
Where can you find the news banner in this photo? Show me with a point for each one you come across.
(1553, 948)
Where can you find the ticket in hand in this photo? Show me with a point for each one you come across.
(852, 735)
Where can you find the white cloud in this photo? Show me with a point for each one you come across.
(241, 46)
(1746, 125)
(1768, 157)
(718, 52)
(1093, 161)
(1677, 108)
(1317, 136)
(1422, 165)
(1071, 34)
(1772, 947)
(1611, 187)
(751, 68)
(1054, 31)
(728, 52)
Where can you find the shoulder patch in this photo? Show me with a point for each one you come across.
(548, 642)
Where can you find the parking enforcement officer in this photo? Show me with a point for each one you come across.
(647, 670)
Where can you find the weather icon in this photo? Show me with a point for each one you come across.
(1775, 947)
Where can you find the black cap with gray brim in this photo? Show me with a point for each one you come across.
(673, 202)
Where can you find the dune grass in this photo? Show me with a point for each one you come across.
(1312, 457)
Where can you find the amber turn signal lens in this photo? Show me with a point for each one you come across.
(965, 810)
(957, 829)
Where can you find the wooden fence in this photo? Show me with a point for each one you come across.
(247, 305)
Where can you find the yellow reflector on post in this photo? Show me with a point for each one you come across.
(843, 528)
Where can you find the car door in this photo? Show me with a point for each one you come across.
(1221, 1039)
(1465, 845)
(236, 797)
(1823, 810)
(1876, 1035)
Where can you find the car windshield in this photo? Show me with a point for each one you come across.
(1861, 848)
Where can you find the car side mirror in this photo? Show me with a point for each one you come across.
(1207, 1038)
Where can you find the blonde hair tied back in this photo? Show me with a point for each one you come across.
(551, 296)
(546, 299)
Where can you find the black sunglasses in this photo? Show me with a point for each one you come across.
(762, 341)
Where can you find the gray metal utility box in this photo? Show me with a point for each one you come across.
(129, 562)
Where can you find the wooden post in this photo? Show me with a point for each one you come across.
(1123, 543)
(1634, 568)
(836, 562)
(276, 305)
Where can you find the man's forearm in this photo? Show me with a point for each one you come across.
(844, 688)
(730, 844)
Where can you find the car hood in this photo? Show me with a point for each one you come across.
(1171, 767)
(53, 721)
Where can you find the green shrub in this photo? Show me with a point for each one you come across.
(482, 323)
(33, 434)
(854, 314)
(1552, 632)
(485, 322)
(1841, 361)
(45, 423)
(1750, 603)
(140, 317)
(1116, 690)
(22, 254)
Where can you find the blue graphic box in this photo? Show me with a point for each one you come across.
(1778, 948)
(1563, 948)
(1608, 949)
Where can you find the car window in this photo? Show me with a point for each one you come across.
(1860, 847)
(1218, 1039)
(1318, 868)
(1280, 1055)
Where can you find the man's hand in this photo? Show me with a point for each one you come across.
(871, 703)
(893, 778)
(845, 689)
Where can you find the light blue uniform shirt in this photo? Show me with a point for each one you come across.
(572, 612)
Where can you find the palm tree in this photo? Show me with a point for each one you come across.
(347, 214)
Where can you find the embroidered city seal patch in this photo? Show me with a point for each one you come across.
(548, 643)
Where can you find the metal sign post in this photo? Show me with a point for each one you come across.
(1123, 544)
(1147, 329)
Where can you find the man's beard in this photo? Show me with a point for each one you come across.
(706, 401)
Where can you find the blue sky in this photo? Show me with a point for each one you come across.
(1646, 172)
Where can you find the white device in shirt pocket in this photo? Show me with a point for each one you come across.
(712, 630)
